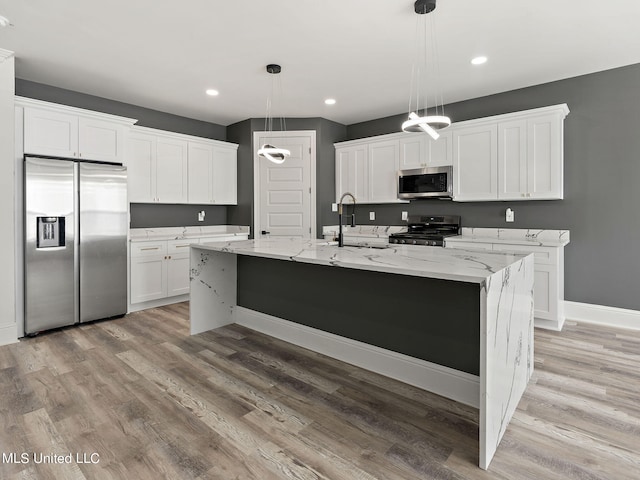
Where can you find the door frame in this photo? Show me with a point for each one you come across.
(256, 176)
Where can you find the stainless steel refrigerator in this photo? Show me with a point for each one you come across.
(75, 258)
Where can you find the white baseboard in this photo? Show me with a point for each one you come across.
(8, 334)
(447, 382)
(602, 315)
(161, 302)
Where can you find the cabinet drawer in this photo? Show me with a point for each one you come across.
(180, 246)
(542, 255)
(144, 249)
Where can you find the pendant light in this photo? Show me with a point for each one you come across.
(424, 122)
(268, 151)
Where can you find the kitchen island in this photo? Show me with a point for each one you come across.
(455, 322)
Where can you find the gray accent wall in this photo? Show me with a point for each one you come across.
(431, 319)
(145, 215)
(601, 205)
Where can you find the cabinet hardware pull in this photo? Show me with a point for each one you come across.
(182, 246)
(150, 248)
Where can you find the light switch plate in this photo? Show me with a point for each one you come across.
(201, 215)
(334, 207)
(372, 215)
(405, 216)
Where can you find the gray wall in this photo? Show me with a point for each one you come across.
(327, 132)
(142, 215)
(601, 205)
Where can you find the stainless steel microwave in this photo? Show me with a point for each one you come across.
(427, 182)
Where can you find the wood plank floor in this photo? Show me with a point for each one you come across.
(154, 402)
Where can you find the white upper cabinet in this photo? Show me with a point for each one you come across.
(200, 173)
(175, 168)
(419, 150)
(141, 167)
(383, 165)
(351, 173)
(213, 174)
(512, 159)
(369, 169)
(225, 175)
(545, 156)
(171, 170)
(531, 158)
(413, 151)
(524, 163)
(475, 163)
(61, 131)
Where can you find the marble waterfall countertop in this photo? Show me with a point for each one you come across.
(449, 264)
(179, 233)
(514, 236)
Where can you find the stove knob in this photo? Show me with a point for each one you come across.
(402, 241)
(414, 242)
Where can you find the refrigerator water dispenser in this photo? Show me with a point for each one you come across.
(50, 232)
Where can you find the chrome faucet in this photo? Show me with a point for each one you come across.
(353, 217)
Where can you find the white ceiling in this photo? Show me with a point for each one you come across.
(163, 54)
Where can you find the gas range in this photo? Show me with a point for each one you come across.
(428, 230)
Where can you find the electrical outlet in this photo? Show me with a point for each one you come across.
(510, 215)
(372, 215)
(334, 207)
(405, 216)
(201, 215)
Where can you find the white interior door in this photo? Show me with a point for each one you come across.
(284, 200)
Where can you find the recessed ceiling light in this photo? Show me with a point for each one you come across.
(213, 92)
(4, 21)
(330, 101)
(479, 60)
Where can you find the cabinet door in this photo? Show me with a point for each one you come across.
(351, 173)
(50, 133)
(171, 170)
(512, 160)
(140, 161)
(545, 292)
(413, 151)
(200, 175)
(148, 278)
(178, 274)
(225, 176)
(475, 162)
(383, 164)
(100, 140)
(545, 157)
(440, 151)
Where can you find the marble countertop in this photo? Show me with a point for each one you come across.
(179, 233)
(431, 262)
(513, 236)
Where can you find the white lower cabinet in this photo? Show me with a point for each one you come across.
(548, 290)
(160, 270)
(148, 271)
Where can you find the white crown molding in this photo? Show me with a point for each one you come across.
(602, 315)
(41, 104)
(181, 136)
